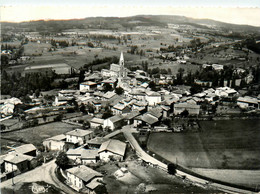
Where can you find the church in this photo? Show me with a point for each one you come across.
(116, 70)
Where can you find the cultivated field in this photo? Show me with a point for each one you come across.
(35, 135)
(233, 144)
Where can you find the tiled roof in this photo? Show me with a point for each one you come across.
(79, 132)
(84, 173)
(114, 146)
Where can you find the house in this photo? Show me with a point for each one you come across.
(67, 93)
(96, 142)
(141, 106)
(83, 179)
(96, 122)
(225, 92)
(149, 120)
(27, 149)
(88, 85)
(153, 98)
(166, 110)
(247, 102)
(191, 108)
(120, 109)
(110, 81)
(89, 156)
(79, 136)
(113, 122)
(97, 103)
(112, 149)
(109, 95)
(17, 163)
(129, 118)
(57, 142)
(217, 67)
(74, 154)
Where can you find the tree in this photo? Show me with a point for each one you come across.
(107, 87)
(119, 90)
(171, 168)
(62, 160)
(152, 85)
(195, 89)
(185, 113)
(180, 76)
(107, 114)
(101, 189)
(83, 108)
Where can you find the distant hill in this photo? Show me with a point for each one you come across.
(121, 23)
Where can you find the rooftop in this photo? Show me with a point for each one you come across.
(79, 132)
(25, 148)
(15, 158)
(97, 120)
(115, 118)
(149, 119)
(114, 146)
(84, 173)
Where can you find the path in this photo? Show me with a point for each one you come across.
(45, 172)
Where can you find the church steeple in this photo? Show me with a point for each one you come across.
(122, 65)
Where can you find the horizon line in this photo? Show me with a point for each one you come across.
(82, 18)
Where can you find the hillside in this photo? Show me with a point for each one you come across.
(117, 23)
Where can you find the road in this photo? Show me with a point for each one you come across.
(45, 172)
(128, 130)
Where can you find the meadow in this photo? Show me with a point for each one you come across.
(34, 135)
(231, 144)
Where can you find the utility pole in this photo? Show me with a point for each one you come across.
(12, 175)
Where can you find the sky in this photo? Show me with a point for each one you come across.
(231, 11)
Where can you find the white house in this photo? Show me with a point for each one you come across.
(55, 143)
(113, 122)
(153, 98)
(88, 85)
(120, 109)
(17, 163)
(79, 136)
(83, 179)
(247, 101)
(112, 149)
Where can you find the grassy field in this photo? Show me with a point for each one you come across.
(233, 144)
(35, 135)
(250, 178)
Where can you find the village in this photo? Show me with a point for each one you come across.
(107, 101)
(129, 109)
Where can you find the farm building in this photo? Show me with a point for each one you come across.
(112, 148)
